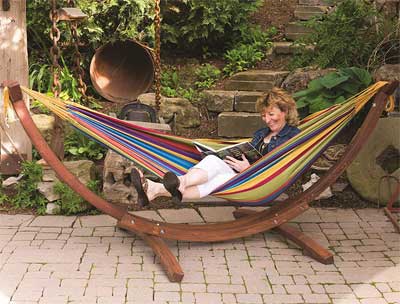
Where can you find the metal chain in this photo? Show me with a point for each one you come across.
(157, 48)
(79, 72)
(55, 50)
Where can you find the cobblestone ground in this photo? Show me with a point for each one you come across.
(56, 259)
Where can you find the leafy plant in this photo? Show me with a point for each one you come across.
(202, 26)
(70, 202)
(345, 37)
(332, 88)
(207, 75)
(78, 146)
(27, 195)
(3, 196)
(242, 58)
(250, 50)
(170, 83)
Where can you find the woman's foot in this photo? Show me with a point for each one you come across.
(140, 185)
(171, 183)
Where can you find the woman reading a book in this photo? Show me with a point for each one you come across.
(278, 111)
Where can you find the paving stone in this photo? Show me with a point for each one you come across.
(97, 221)
(149, 214)
(249, 298)
(206, 298)
(316, 298)
(14, 220)
(53, 221)
(184, 215)
(282, 298)
(217, 214)
(365, 291)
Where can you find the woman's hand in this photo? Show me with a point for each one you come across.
(236, 164)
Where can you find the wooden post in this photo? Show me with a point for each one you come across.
(13, 66)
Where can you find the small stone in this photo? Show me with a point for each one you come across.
(12, 180)
(339, 186)
(52, 208)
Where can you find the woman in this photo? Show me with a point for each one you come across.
(278, 111)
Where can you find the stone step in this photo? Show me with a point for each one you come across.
(238, 124)
(294, 31)
(259, 75)
(316, 2)
(287, 48)
(246, 101)
(303, 12)
(219, 100)
(255, 80)
(242, 85)
(227, 101)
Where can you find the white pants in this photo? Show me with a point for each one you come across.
(218, 173)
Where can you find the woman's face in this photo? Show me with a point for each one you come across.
(274, 118)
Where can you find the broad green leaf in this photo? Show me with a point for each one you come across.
(300, 104)
(350, 87)
(340, 99)
(332, 80)
(319, 105)
(363, 76)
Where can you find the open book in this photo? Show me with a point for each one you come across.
(235, 151)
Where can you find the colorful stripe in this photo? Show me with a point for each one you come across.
(160, 152)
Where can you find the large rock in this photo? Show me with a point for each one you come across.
(388, 72)
(219, 101)
(116, 182)
(255, 80)
(246, 101)
(374, 172)
(187, 115)
(84, 170)
(45, 124)
(238, 124)
(300, 78)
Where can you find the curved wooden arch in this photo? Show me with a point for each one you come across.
(248, 223)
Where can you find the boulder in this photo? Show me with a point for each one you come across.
(219, 101)
(116, 182)
(388, 72)
(299, 79)
(45, 124)
(84, 170)
(375, 170)
(238, 124)
(186, 115)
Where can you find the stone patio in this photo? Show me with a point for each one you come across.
(57, 259)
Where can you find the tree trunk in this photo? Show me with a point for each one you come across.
(15, 145)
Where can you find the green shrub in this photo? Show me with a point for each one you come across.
(27, 195)
(70, 202)
(242, 58)
(202, 26)
(331, 89)
(79, 146)
(251, 49)
(170, 82)
(207, 75)
(107, 21)
(346, 37)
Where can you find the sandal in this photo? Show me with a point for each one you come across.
(171, 183)
(140, 184)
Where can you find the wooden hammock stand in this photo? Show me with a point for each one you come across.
(247, 223)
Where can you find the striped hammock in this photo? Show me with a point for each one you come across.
(159, 152)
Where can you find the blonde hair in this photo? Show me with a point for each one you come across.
(283, 101)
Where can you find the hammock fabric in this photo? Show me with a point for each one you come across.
(160, 152)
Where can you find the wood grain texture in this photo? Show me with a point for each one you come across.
(13, 66)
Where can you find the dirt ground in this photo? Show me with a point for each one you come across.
(275, 13)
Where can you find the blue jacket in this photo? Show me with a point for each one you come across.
(284, 135)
